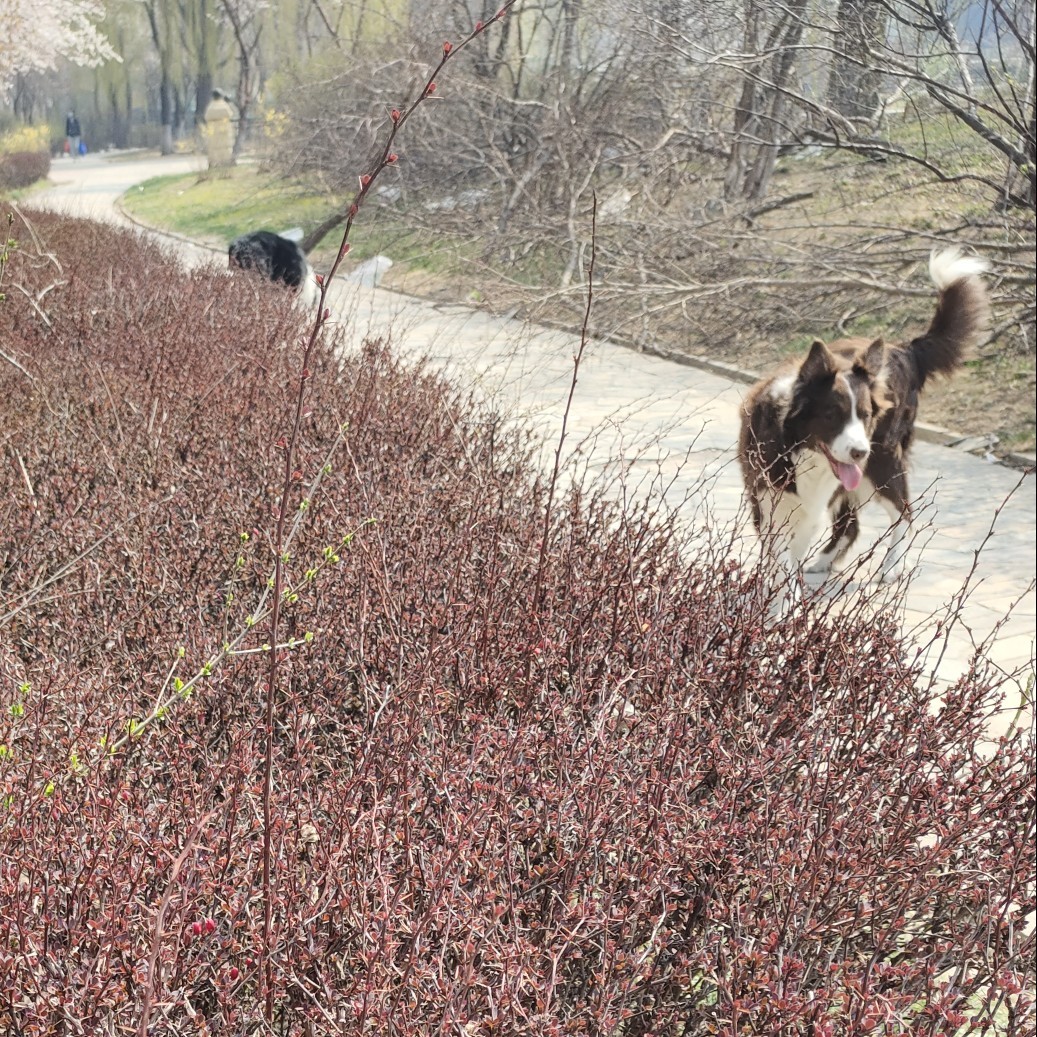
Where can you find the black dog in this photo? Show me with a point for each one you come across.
(275, 258)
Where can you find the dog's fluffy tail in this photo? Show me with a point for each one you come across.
(962, 313)
(308, 291)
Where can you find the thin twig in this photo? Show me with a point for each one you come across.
(289, 445)
(538, 588)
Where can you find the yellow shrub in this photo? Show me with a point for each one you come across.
(274, 124)
(25, 138)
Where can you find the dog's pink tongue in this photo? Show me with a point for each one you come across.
(849, 475)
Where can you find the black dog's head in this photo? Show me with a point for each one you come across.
(269, 254)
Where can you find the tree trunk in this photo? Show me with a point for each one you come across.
(245, 89)
(853, 81)
(1028, 141)
(128, 125)
(759, 178)
(166, 84)
(23, 99)
(741, 139)
(326, 226)
(762, 109)
(166, 112)
(489, 49)
(247, 34)
(204, 82)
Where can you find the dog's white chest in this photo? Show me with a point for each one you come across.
(815, 484)
(799, 519)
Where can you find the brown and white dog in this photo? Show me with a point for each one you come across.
(822, 436)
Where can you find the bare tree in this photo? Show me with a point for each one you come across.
(114, 85)
(854, 82)
(772, 34)
(246, 22)
(683, 118)
(201, 39)
(981, 79)
(163, 35)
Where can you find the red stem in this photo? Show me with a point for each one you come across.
(290, 448)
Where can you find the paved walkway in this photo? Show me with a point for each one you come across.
(668, 424)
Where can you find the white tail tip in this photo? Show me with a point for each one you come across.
(949, 266)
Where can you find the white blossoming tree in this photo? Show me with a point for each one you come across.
(36, 34)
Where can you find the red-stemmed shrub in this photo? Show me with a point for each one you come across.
(22, 168)
(586, 790)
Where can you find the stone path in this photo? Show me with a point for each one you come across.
(677, 425)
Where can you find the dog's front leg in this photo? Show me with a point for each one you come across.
(845, 527)
(789, 531)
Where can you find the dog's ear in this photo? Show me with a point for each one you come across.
(872, 360)
(818, 364)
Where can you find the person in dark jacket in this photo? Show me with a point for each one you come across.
(73, 134)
